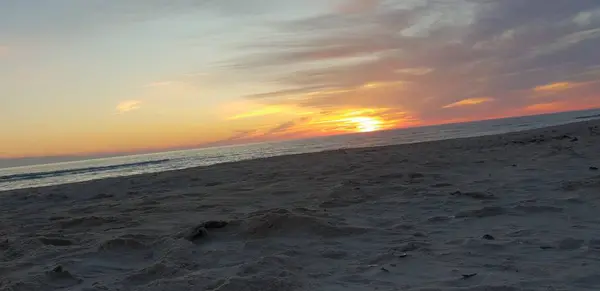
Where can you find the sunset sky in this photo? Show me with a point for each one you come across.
(112, 76)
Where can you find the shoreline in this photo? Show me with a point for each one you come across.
(501, 212)
(574, 123)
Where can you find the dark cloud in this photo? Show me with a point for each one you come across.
(438, 53)
(238, 136)
(497, 16)
(282, 131)
(287, 125)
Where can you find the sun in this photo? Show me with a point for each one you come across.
(366, 124)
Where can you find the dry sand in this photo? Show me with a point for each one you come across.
(510, 212)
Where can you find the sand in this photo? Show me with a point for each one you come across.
(510, 212)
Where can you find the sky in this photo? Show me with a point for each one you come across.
(100, 77)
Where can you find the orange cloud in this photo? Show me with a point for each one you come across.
(266, 110)
(317, 112)
(555, 87)
(297, 96)
(469, 102)
(359, 120)
(330, 122)
(544, 107)
(362, 123)
(420, 71)
(558, 106)
(376, 85)
(128, 105)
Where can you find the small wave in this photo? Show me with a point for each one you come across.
(32, 176)
(588, 116)
(524, 124)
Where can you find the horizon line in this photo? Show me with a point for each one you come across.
(99, 156)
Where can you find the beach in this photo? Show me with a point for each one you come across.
(517, 211)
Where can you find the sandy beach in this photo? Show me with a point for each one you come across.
(509, 212)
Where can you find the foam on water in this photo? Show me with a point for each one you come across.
(79, 171)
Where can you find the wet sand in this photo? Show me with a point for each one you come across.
(518, 211)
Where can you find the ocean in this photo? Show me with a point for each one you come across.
(79, 171)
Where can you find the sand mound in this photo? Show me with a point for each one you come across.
(282, 222)
(61, 278)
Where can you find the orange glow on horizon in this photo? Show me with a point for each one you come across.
(366, 124)
(259, 123)
(359, 120)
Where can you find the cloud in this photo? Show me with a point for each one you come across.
(357, 6)
(336, 121)
(553, 87)
(287, 125)
(241, 135)
(258, 110)
(267, 110)
(544, 107)
(469, 102)
(128, 106)
(429, 52)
